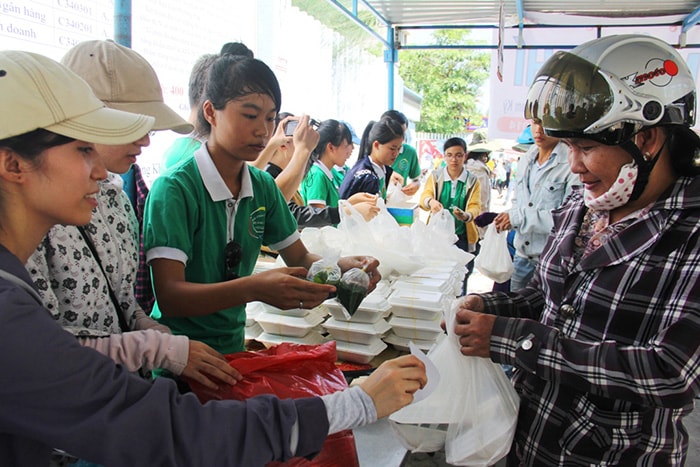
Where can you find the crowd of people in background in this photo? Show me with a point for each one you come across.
(599, 203)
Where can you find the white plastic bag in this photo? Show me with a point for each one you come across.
(395, 196)
(494, 261)
(442, 225)
(472, 413)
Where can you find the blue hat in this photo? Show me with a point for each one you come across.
(525, 140)
(355, 138)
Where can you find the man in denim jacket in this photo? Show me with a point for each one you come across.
(544, 180)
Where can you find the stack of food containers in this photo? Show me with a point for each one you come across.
(359, 337)
(416, 316)
(298, 325)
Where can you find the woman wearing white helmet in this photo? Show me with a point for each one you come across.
(604, 340)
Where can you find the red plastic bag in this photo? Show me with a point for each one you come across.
(291, 371)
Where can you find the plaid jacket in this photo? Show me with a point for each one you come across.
(607, 357)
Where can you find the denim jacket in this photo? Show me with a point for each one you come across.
(531, 214)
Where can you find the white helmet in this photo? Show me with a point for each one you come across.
(609, 88)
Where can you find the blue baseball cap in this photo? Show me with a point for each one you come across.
(525, 140)
(355, 138)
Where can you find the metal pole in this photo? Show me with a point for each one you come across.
(122, 36)
(122, 22)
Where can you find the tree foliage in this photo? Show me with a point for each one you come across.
(449, 81)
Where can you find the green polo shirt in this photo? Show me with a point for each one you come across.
(317, 187)
(407, 163)
(191, 215)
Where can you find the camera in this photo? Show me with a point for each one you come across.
(292, 125)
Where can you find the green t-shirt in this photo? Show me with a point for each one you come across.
(339, 175)
(186, 219)
(181, 149)
(317, 187)
(457, 199)
(407, 163)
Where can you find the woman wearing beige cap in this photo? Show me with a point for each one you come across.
(55, 392)
(85, 275)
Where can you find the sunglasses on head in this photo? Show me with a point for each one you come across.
(233, 253)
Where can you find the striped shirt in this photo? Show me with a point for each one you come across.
(607, 347)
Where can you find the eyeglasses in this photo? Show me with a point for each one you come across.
(233, 253)
(458, 155)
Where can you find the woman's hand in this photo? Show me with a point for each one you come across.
(362, 197)
(396, 178)
(434, 205)
(368, 210)
(392, 385)
(411, 189)
(474, 327)
(207, 366)
(502, 222)
(305, 137)
(368, 262)
(287, 288)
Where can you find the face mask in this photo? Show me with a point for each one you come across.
(618, 194)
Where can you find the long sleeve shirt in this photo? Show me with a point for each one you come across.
(606, 347)
(54, 393)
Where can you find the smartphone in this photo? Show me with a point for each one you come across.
(290, 127)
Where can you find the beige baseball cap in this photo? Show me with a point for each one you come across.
(37, 92)
(123, 80)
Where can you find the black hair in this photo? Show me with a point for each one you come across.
(396, 115)
(454, 141)
(198, 79)
(281, 116)
(478, 154)
(383, 131)
(235, 76)
(684, 148)
(331, 131)
(236, 48)
(30, 145)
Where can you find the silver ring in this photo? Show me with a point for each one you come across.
(301, 304)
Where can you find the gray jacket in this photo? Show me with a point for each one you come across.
(56, 393)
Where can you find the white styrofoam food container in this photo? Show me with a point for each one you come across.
(359, 353)
(253, 331)
(294, 326)
(401, 343)
(410, 328)
(361, 333)
(423, 283)
(373, 308)
(417, 304)
(269, 340)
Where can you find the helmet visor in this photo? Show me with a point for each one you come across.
(569, 95)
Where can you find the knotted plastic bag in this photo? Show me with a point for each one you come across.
(352, 289)
(472, 413)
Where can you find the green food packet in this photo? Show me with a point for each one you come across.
(352, 289)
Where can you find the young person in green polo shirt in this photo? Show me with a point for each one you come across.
(207, 218)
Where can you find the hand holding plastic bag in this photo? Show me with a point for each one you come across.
(472, 413)
(494, 261)
(442, 224)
